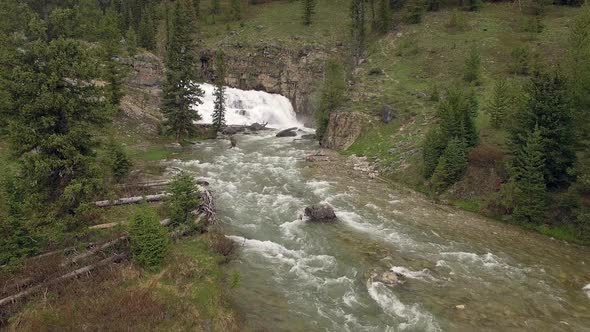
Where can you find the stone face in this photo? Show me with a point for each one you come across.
(323, 212)
(387, 114)
(274, 69)
(287, 132)
(343, 129)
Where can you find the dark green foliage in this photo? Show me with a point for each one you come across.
(500, 103)
(457, 113)
(383, 17)
(358, 29)
(527, 169)
(147, 30)
(578, 71)
(131, 41)
(415, 11)
(215, 8)
(197, 7)
(521, 58)
(433, 5)
(332, 95)
(180, 90)
(236, 10)
(219, 93)
(548, 108)
(451, 166)
(114, 74)
(308, 11)
(54, 113)
(15, 241)
(183, 200)
(117, 161)
(433, 147)
(472, 71)
(149, 240)
(472, 5)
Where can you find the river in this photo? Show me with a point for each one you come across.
(462, 272)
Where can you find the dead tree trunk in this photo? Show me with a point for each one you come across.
(131, 200)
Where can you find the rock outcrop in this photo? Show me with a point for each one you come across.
(294, 74)
(343, 129)
(320, 212)
(287, 132)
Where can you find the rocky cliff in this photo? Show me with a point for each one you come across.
(343, 129)
(296, 74)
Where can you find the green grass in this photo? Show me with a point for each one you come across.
(467, 205)
(561, 232)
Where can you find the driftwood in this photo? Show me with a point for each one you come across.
(207, 207)
(164, 222)
(131, 200)
(93, 251)
(159, 183)
(70, 275)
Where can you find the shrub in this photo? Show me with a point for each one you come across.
(521, 57)
(457, 21)
(472, 5)
(183, 199)
(149, 239)
(415, 11)
(117, 161)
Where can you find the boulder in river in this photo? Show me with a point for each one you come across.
(388, 277)
(309, 136)
(257, 126)
(320, 212)
(287, 132)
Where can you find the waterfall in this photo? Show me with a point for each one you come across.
(244, 107)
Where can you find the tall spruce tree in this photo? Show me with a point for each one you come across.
(308, 11)
(383, 17)
(219, 93)
(55, 110)
(499, 103)
(181, 91)
(358, 29)
(147, 30)
(433, 147)
(527, 170)
(472, 71)
(549, 109)
(457, 113)
(451, 166)
(332, 94)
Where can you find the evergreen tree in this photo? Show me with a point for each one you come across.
(54, 113)
(549, 109)
(358, 29)
(499, 103)
(181, 93)
(147, 30)
(131, 41)
(578, 71)
(433, 147)
(236, 10)
(149, 241)
(183, 199)
(527, 169)
(415, 11)
(332, 94)
(383, 17)
(215, 8)
(457, 113)
(451, 166)
(197, 7)
(308, 11)
(219, 93)
(473, 67)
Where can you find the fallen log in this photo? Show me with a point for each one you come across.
(70, 275)
(93, 251)
(132, 200)
(164, 222)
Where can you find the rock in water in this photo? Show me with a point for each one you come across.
(233, 142)
(387, 114)
(388, 277)
(323, 212)
(287, 132)
(309, 136)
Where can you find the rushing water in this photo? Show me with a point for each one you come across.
(298, 276)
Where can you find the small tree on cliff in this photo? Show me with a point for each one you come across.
(180, 90)
(308, 11)
(357, 16)
(332, 94)
(219, 107)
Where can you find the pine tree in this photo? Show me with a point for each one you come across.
(219, 93)
(358, 29)
(332, 94)
(181, 93)
(527, 173)
(54, 114)
(500, 103)
(473, 67)
(147, 30)
(457, 113)
(433, 147)
(415, 11)
(451, 166)
(548, 108)
(131, 41)
(236, 10)
(308, 11)
(384, 17)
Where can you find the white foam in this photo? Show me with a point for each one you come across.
(319, 188)
(420, 275)
(244, 107)
(413, 317)
(587, 289)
